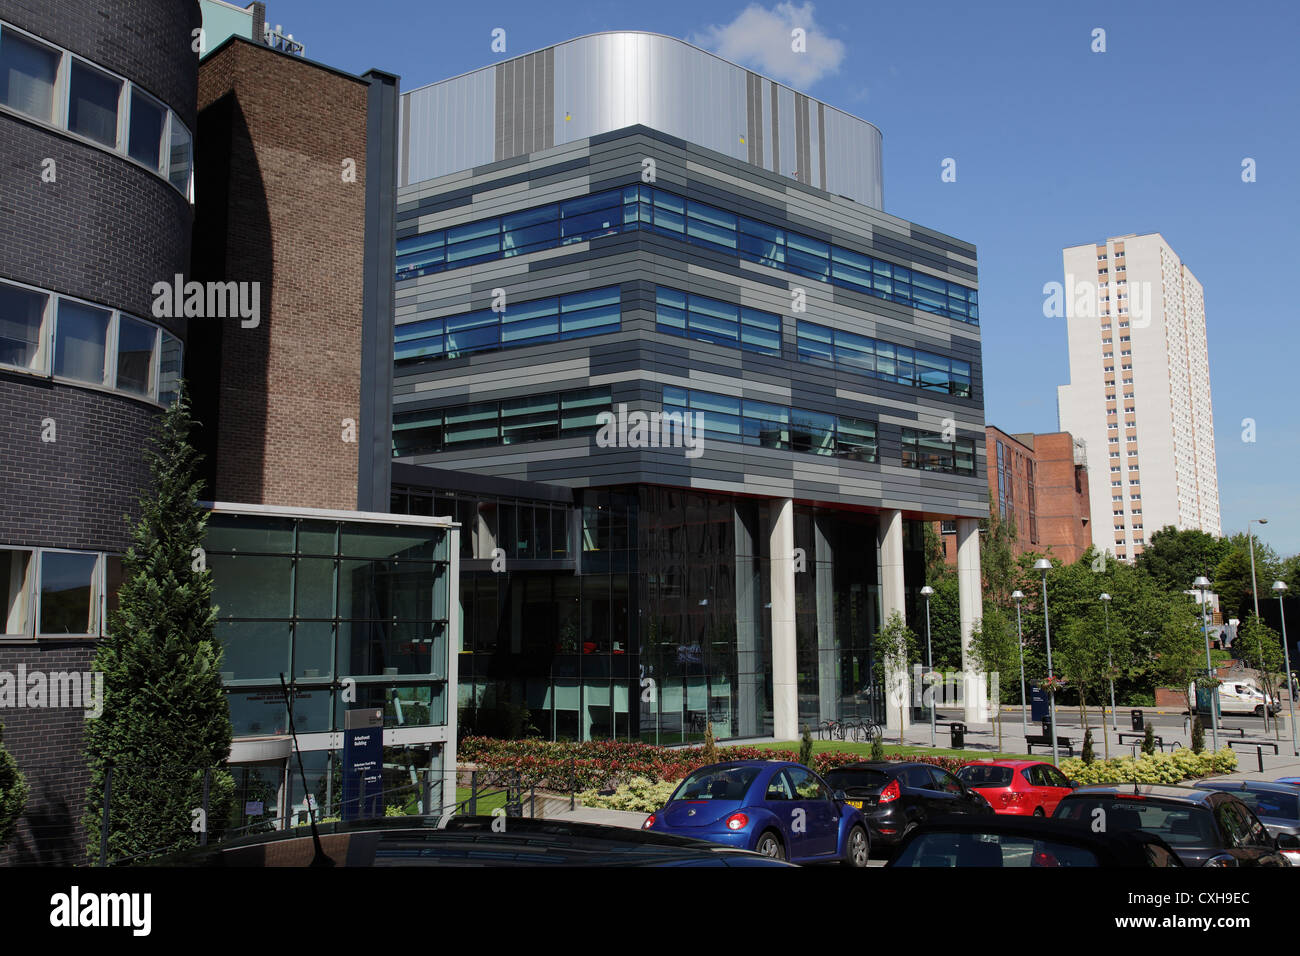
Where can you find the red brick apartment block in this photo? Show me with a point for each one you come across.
(1040, 484)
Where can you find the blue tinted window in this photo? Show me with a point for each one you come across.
(590, 312)
(712, 320)
(611, 211)
(419, 339)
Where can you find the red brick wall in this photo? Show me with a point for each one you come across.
(1060, 494)
(1063, 510)
(279, 128)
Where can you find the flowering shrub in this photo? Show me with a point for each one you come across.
(639, 795)
(1173, 767)
(606, 764)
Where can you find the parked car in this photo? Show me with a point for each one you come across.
(1020, 788)
(897, 797)
(1007, 842)
(777, 808)
(1204, 827)
(1276, 804)
(465, 841)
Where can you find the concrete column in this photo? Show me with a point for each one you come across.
(828, 658)
(785, 667)
(891, 600)
(970, 602)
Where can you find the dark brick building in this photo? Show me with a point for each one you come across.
(96, 118)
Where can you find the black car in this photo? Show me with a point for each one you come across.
(1204, 827)
(897, 797)
(1008, 842)
(1276, 804)
(468, 841)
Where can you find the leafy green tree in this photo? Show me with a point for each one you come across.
(1080, 657)
(997, 555)
(1198, 735)
(165, 718)
(13, 792)
(1259, 646)
(901, 651)
(945, 623)
(1289, 574)
(1149, 740)
(1231, 580)
(994, 650)
(1174, 559)
(805, 747)
(1089, 755)
(1180, 648)
(936, 564)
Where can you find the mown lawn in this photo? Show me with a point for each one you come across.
(865, 750)
(487, 802)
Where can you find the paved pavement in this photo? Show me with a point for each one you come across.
(1170, 725)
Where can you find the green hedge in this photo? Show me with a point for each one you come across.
(1172, 767)
(606, 764)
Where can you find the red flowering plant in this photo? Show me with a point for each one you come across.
(1054, 684)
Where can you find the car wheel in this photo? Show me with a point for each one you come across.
(859, 849)
(769, 845)
(1039, 812)
(1259, 710)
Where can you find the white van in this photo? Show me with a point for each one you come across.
(1241, 696)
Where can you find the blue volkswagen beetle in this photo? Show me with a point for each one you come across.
(777, 808)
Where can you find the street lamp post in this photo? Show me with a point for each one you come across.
(1203, 584)
(1280, 588)
(1018, 596)
(1110, 662)
(926, 592)
(1254, 593)
(1042, 565)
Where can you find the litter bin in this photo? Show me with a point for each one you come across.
(1136, 717)
(958, 735)
(1047, 727)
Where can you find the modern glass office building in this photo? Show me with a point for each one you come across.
(691, 393)
(355, 610)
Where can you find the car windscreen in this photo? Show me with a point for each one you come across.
(979, 775)
(946, 849)
(716, 783)
(1268, 804)
(1177, 823)
(857, 779)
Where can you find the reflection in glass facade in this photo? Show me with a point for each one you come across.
(657, 620)
(354, 614)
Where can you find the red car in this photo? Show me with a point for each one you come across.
(1022, 788)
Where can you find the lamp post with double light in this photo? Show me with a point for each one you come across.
(1279, 588)
(1202, 584)
(927, 592)
(1019, 596)
(1110, 661)
(1042, 566)
(1254, 593)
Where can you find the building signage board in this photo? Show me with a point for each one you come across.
(363, 763)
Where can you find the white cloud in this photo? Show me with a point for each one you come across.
(761, 38)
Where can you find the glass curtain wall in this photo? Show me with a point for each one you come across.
(837, 615)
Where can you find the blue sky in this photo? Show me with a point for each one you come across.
(1055, 146)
